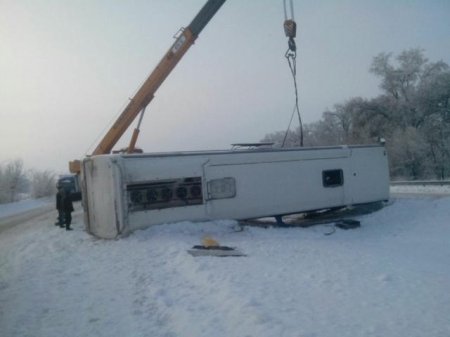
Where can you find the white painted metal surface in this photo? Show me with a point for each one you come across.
(127, 192)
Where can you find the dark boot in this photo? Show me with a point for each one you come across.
(60, 221)
(69, 229)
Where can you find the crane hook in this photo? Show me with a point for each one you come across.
(290, 30)
(290, 27)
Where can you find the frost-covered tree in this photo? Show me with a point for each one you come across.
(42, 183)
(12, 181)
(408, 154)
(413, 86)
(412, 114)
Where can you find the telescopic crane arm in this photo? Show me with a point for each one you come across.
(147, 91)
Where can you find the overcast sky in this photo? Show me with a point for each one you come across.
(68, 68)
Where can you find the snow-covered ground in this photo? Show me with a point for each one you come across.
(390, 277)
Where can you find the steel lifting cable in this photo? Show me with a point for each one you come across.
(290, 30)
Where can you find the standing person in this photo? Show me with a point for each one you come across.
(67, 207)
(59, 206)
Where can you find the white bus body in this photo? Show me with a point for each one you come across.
(123, 193)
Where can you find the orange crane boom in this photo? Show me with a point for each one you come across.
(147, 91)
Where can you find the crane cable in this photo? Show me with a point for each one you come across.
(290, 30)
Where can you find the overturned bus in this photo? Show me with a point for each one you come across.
(128, 192)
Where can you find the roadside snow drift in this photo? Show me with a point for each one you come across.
(390, 277)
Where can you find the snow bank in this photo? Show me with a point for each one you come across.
(388, 278)
(421, 189)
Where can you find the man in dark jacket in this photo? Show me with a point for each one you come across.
(59, 207)
(67, 207)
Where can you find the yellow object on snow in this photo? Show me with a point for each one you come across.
(209, 242)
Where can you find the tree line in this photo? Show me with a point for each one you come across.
(16, 182)
(412, 114)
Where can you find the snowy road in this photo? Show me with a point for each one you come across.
(19, 212)
(388, 278)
